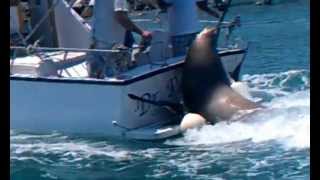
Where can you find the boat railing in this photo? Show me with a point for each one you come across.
(63, 59)
(41, 51)
(45, 53)
(227, 27)
(31, 49)
(52, 49)
(225, 24)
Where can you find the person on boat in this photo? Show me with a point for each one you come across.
(80, 5)
(184, 23)
(88, 13)
(110, 24)
(88, 10)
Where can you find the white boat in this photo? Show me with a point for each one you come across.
(57, 95)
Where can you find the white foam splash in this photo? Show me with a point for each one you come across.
(242, 88)
(49, 176)
(37, 160)
(25, 136)
(277, 84)
(285, 120)
(70, 151)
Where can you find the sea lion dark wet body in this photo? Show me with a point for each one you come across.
(206, 85)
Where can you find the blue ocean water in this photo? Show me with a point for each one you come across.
(275, 146)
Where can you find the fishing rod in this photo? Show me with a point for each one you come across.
(220, 22)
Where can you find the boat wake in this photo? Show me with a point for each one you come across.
(286, 119)
(200, 154)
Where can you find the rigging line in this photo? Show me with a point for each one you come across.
(53, 6)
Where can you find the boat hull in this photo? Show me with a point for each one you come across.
(78, 107)
(91, 106)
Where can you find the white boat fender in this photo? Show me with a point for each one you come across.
(191, 121)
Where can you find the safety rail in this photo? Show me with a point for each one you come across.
(64, 62)
(50, 49)
(38, 51)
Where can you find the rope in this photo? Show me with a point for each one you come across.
(220, 22)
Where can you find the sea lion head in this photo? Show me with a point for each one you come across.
(207, 33)
(203, 47)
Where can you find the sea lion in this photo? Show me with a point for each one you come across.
(206, 84)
